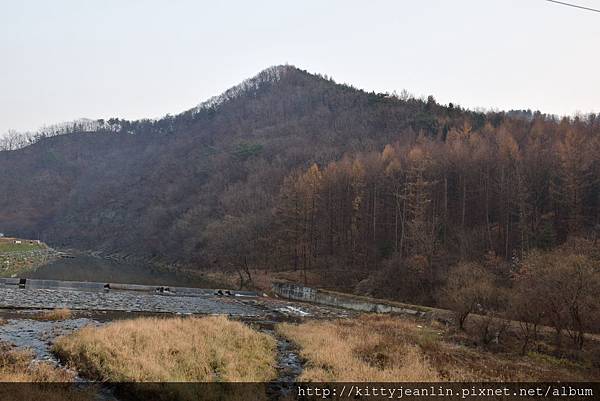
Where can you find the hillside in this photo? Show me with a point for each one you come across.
(158, 183)
(290, 170)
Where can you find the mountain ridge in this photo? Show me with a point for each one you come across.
(173, 190)
(250, 116)
(266, 77)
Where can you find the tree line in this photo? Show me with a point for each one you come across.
(501, 221)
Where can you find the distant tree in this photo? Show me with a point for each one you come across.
(573, 178)
(528, 309)
(564, 286)
(469, 289)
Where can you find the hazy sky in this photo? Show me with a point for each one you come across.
(65, 59)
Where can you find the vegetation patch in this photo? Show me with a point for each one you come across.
(51, 383)
(553, 360)
(391, 348)
(55, 314)
(22, 247)
(365, 349)
(16, 366)
(204, 349)
(18, 256)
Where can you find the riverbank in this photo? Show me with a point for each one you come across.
(21, 256)
(314, 341)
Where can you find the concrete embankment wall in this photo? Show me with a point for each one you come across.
(100, 286)
(301, 293)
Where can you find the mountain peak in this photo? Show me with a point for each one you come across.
(267, 76)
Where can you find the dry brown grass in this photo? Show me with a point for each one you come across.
(365, 349)
(55, 314)
(388, 348)
(16, 366)
(49, 383)
(171, 350)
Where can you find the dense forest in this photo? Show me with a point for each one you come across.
(378, 193)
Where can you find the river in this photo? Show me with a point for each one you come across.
(83, 267)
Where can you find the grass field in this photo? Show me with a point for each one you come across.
(204, 349)
(9, 245)
(16, 259)
(386, 348)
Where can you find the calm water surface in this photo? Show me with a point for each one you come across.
(91, 268)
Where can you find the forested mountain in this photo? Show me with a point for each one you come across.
(291, 170)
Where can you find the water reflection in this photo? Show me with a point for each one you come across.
(91, 268)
